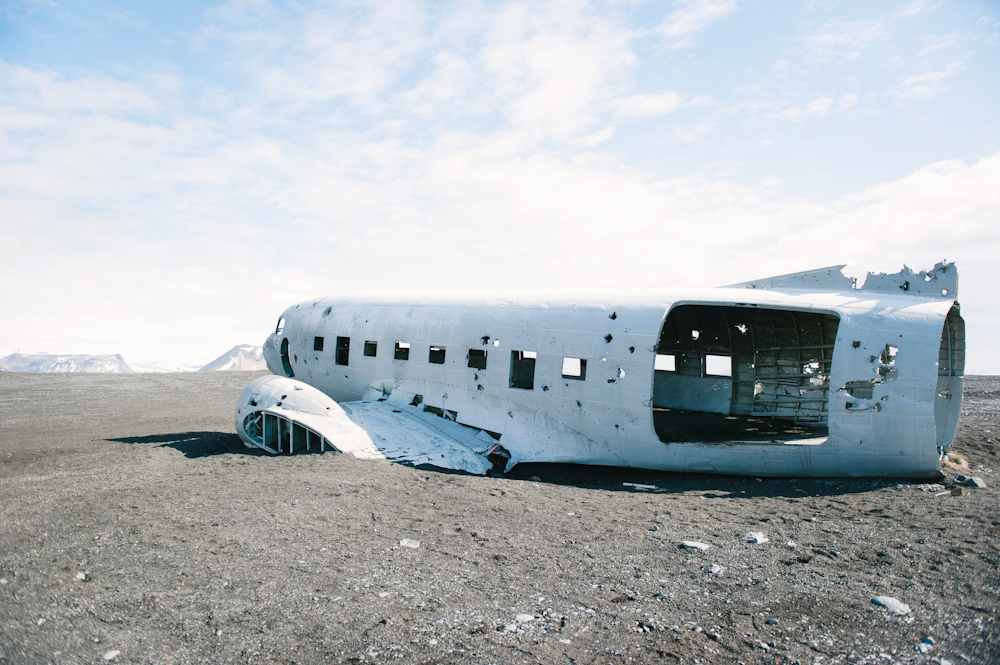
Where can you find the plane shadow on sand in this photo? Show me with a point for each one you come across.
(195, 445)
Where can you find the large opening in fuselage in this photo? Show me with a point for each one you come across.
(951, 369)
(727, 373)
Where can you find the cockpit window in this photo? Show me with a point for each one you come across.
(280, 326)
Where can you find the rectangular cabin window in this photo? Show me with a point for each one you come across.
(436, 355)
(522, 369)
(477, 358)
(574, 368)
(371, 348)
(402, 351)
(343, 350)
(665, 363)
(718, 366)
(317, 344)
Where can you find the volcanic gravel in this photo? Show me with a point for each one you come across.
(136, 528)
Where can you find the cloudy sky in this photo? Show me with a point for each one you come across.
(173, 174)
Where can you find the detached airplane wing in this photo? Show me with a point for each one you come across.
(287, 416)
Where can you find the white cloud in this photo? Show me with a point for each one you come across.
(846, 102)
(817, 108)
(435, 150)
(690, 17)
(648, 106)
(941, 43)
(918, 7)
(844, 40)
(550, 67)
(926, 85)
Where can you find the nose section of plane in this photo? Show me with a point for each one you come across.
(272, 354)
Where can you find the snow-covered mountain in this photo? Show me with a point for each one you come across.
(43, 363)
(241, 358)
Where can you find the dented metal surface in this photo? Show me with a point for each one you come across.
(804, 375)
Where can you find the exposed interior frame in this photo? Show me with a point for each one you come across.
(277, 434)
(779, 374)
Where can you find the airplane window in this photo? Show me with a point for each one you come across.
(402, 351)
(477, 358)
(317, 344)
(371, 348)
(436, 355)
(665, 363)
(574, 368)
(280, 326)
(522, 369)
(343, 350)
(718, 366)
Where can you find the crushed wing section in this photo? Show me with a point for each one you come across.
(285, 416)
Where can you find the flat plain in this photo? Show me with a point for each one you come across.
(136, 528)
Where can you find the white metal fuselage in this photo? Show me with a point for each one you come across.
(853, 378)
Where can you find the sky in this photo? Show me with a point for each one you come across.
(174, 174)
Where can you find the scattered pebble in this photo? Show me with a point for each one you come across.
(81, 576)
(408, 542)
(716, 569)
(510, 628)
(111, 655)
(772, 621)
(524, 618)
(790, 544)
(891, 604)
(564, 641)
(756, 537)
(694, 545)
(218, 633)
(383, 594)
(967, 481)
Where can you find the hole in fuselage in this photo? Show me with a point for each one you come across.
(727, 373)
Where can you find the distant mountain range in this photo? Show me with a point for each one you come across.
(241, 358)
(44, 363)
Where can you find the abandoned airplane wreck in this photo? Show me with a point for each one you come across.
(802, 375)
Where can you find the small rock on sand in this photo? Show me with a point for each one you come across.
(967, 481)
(756, 537)
(407, 542)
(893, 605)
(694, 545)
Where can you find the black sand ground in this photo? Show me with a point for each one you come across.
(121, 540)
